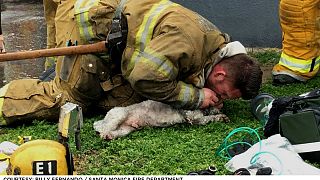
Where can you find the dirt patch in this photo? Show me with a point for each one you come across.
(266, 67)
(267, 75)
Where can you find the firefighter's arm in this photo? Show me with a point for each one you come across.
(156, 73)
(159, 88)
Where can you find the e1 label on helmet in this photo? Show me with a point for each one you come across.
(44, 167)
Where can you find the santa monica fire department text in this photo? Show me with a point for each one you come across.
(93, 178)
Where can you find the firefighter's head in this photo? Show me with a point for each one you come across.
(236, 76)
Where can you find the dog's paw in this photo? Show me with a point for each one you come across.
(106, 136)
(99, 126)
(210, 111)
(222, 118)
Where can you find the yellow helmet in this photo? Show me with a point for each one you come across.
(41, 157)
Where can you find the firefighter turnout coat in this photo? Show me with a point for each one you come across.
(168, 53)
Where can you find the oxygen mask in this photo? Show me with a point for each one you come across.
(260, 107)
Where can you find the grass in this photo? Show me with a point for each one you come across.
(175, 150)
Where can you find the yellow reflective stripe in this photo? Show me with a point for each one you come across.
(54, 59)
(146, 28)
(83, 5)
(159, 63)
(186, 94)
(299, 65)
(4, 157)
(81, 11)
(145, 31)
(3, 91)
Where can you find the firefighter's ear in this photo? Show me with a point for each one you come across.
(219, 73)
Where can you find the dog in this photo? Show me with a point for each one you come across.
(120, 121)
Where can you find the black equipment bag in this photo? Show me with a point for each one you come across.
(298, 119)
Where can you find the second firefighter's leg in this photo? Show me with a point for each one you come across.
(300, 56)
(50, 9)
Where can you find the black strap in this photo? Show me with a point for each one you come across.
(313, 64)
(119, 27)
(117, 39)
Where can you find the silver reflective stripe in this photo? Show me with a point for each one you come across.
(186, 94)
(300, 65)
(307, 147)
(145, 31)
(83, 5)
(165, 67)
(295, 65)
(81, 8)
(147, 28)
(201, 98)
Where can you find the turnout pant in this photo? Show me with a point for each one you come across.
(81, 79)
(300, 24)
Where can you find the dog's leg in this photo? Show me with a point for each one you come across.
(113, 119)
(123, 130)
(212, 118)
(211, 111)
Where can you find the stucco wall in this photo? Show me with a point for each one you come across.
(253, 22)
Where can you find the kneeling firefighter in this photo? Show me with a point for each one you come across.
(90, 80)
(300, 58)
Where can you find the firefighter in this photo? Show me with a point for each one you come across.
(50, 8)
(300, 25)
(170, 54)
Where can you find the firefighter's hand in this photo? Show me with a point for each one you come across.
(2, 48)
(210, 99)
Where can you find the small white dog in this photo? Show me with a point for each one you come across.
(121, 121)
